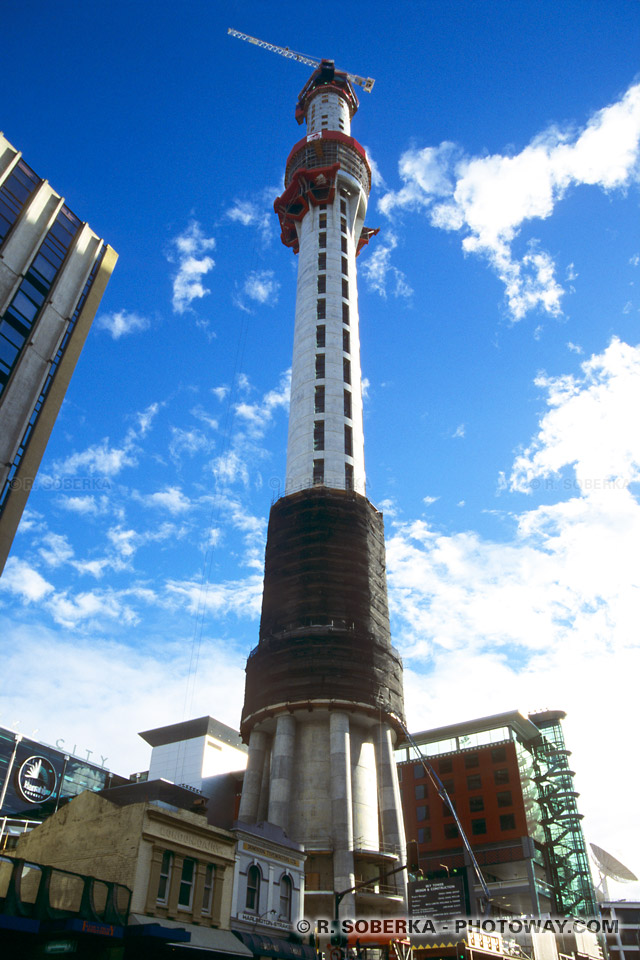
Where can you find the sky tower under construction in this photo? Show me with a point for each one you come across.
(323, 700)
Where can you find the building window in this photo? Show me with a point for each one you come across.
(207, 890)
(445, 765)
(422, 813)
(185, 893)
(418, 771)
(348, 476)
(322, 283)
(345, 313)
(319, 400)
(345, 266)
(318, 472)
(14, 194)
(286, 895)
(347, 404)
(348, 440)
(501, 776)
(474, 782)
(319, 366)
(507, 821)
(323, 221)
(343, 206)
(504, 798)
(165, 877)
(478, 827)
(318, 435)
(451, 831)
(321, 338)
(476, 804)
(420, 791)
(448, 785)
(424, 834)
(346, 370)
(321, 309)
(343, 244)
(471, 760)
(345, 288)
(499, 754)
(322, 261)
(343, 224)
(322, 239)
(346, 341)
(253, 888)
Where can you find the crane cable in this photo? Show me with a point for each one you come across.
(444, 796)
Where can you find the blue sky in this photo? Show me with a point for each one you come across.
(499, 313)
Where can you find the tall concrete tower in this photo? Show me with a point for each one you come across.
(324, 684)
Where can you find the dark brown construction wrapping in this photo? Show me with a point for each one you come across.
(324, 631)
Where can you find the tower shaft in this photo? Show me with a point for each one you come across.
(324, 685)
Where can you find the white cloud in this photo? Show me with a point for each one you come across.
(188, 442)
(220, 392)
(72, 610)
(85, 506)
(489, 198)
(22, 580)
(56, 549)
(240, 597)
(146, 689)
(591, 424)
(193, 262)
(459, 432)
(258, 416)
(377, 180)
(429, 500)
(377, 268)
(249, 214)
(262, 287)
(121, 323)
(99, 458)
(146, 417)
(171, 499)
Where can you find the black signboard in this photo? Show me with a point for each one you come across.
(437, 899)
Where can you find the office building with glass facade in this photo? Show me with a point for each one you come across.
(36, 779)
(509, 779)
(53, 272)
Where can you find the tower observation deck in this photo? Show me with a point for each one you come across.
(324, 685)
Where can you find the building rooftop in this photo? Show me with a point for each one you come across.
(522, 725)
(190, 730)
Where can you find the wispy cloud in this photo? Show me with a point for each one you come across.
(488, 199)
(122, 322)
(100, 458)
(257, 416)
(190, 253)
(22, 580)
(171, 499)
(251, 214)
(380, 273)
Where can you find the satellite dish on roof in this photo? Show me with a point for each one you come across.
(610, 868)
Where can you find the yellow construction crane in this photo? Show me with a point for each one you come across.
(365, 82)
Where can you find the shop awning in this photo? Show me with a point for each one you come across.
(262, 945)
(202, 938)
